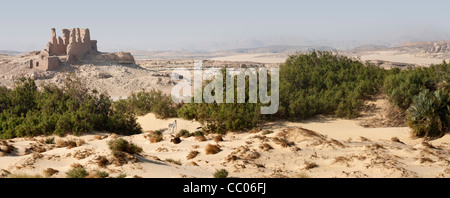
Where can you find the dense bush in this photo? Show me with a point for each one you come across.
(29, 111)
(429, 114)
(402, 86)
(325, 83)
(424, 94)
(152, 101)
(310, 84)
(224, 117)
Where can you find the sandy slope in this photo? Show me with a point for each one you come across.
(396, 56)
(322, 147)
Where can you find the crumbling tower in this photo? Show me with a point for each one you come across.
(74, 45)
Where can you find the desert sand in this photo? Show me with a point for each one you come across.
(395, 56)
(321, 147)
(370, 146)
(258, 58)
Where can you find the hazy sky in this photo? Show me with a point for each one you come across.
(195, 24)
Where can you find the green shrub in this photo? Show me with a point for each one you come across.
(102, 174)
(184, 133)
(198, 133)
(429, 114)
(79, 172)
(50, 140)
(310, 84)
(124, 146)
(325, 83)
(152, 101)
(403, 86)
(26, 110)
(156, 136)
(224, 117)
(121, 176)
(222, 173)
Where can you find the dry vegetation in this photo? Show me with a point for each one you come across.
(200, 138)
(50, 172)
(283, 142)
(102, 161)
(212, 149)
(154, 136)
(5, 148)
(310, 165)
(218, 138)
(265, 147)
(176, 162)
(192, 155)
(176, 140)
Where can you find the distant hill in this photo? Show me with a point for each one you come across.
(282, 49)
(430, 47)
(8, 52)
(369, 47)
(182, 53)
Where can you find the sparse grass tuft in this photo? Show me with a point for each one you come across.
(200, 138)
(255, 130)
(102, 161)
(283, 142)
(98, 137)
(79, 142)
(50, 140)
(198, 133)
(176, 162)
(335, 142)
(218, 138)
(50, 172)
(212, 149)
(428, 145)
(426, 159)
(61, 143)
(265, 147)
(363, 139)
(124, 146)
(121, 176)
(310, 165)
(267, 132)
(102, 174)
(184, 133)
(71, 144)
(192, 155)
(77, 173)
(222, 173)
(155, 136)
(395, 139)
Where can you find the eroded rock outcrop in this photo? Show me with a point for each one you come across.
(430, 47)
(75, 47)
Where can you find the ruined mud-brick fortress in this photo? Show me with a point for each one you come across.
(75, 47)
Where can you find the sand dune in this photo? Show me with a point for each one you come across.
(322, 147)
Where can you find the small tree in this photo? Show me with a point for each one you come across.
(429, 115)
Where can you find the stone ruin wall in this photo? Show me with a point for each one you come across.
(73, 47)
